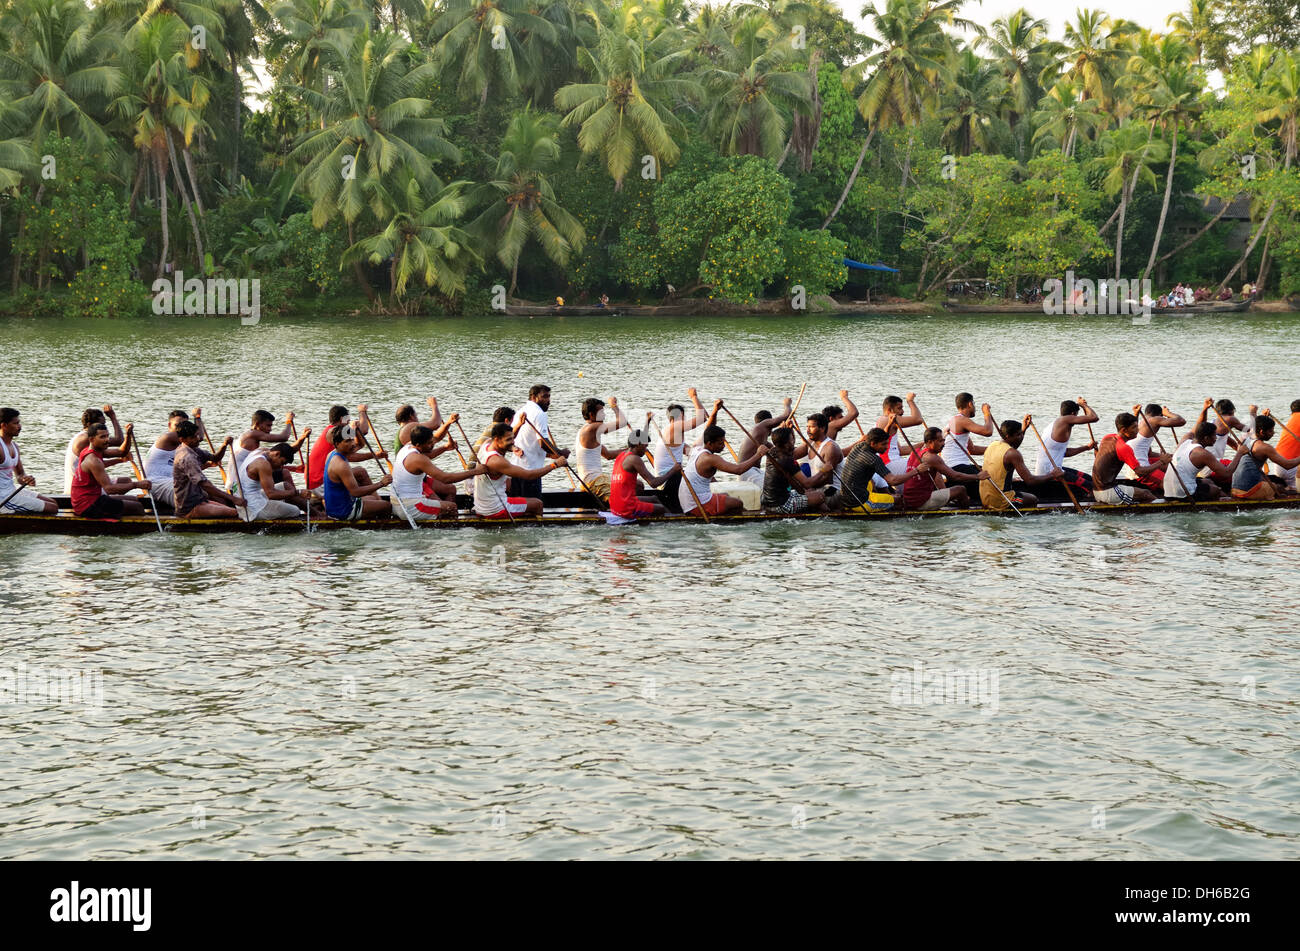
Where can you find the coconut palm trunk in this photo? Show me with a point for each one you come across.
(1164, 207)
(185, 196)
(160, 173)
(853, 177)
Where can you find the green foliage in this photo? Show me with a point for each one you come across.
(815, 260)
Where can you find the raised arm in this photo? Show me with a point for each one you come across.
(913, 416)
(435, 418)
(850, 415)
(980, 429)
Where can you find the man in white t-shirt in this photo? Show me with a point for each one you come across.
(529, 447)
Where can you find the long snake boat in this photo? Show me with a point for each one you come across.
(567, 509)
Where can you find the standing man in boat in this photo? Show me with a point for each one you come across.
(347, 497)
(119, 449)
(928, 490)
(670, 447)
(958, 431)
(628, 466)
(892, 413)
(13, 499)
(427, 492)
(1003, 460)
(591, 451)
(1057, 440)
(259, 431)
(1114, 453)
(491, 498)
(528, 444)
(701, 468)
(94, 494)
(193, 495)
(1194, 455)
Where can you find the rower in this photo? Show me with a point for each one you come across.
(1193, 455)
(1153, 418)
(426, 492)
(260, 432)
(591, 452)
(119, 449)
(192, 494)
(16, 494)
(1249, 481)
(865, 470)
(628, 465)
(529, 444)
(840, 417)
(1114, 453)
(490, 487)
(94, 494)
(786, 490)
(764, 424)
(1002, 460)
(1289, 445)
(1057, 441)
(407, 421)
(928, 490)
(892, 412)
(959, 429)
(347, 497)
(1225, 423)
(325, 445)
(827, 459)
(158, 463)
(670, 446)
(701, 469)
(258, 485)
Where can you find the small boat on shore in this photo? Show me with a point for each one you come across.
(568, 509)
(1189, 310)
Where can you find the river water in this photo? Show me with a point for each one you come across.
(1096, 687)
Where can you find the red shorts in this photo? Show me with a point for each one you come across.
(639, 510)
(514, 505)
(716, 505)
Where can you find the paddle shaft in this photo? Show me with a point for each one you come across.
(153, 506)
(213, 449)
(505, 503)
(1048, 456)
(1286, 429)
(11, 495)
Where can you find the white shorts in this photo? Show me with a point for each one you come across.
(753, 476)
(897, 464)
(421, 509)
(1116, 495)
(274, 508)
(1286, 475)
(26, 502)
(937, 500)
(163, 491)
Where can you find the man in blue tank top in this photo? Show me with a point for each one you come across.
(347, 498)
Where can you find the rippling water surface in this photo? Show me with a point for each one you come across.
(657, 691)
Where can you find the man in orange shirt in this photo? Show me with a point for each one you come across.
(1288, 446)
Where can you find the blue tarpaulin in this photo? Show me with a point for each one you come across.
(869, 267)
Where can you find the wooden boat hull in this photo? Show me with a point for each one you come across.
(65, 523)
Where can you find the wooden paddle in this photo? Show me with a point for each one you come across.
(213, 449)
(505, 503)
(153, 507)
(1155, 434)
(11, 495)
(365, 444)
(1061, 478)
(794, 409)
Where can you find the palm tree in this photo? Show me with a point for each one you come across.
(373, 125)
(905, 71)
(420, 240)
(297, 42)
(1166, 89)
(1094, 53)
(973, 103)
(1127, 154)
(1062, 114)
(629, 104)
(56, 71)
(1199, 26)
(1019, 45)
(521, 203)
(479, 42)
(751, 92)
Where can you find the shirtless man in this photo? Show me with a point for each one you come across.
(1113, 454)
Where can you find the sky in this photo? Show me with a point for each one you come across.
(1149, 13)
